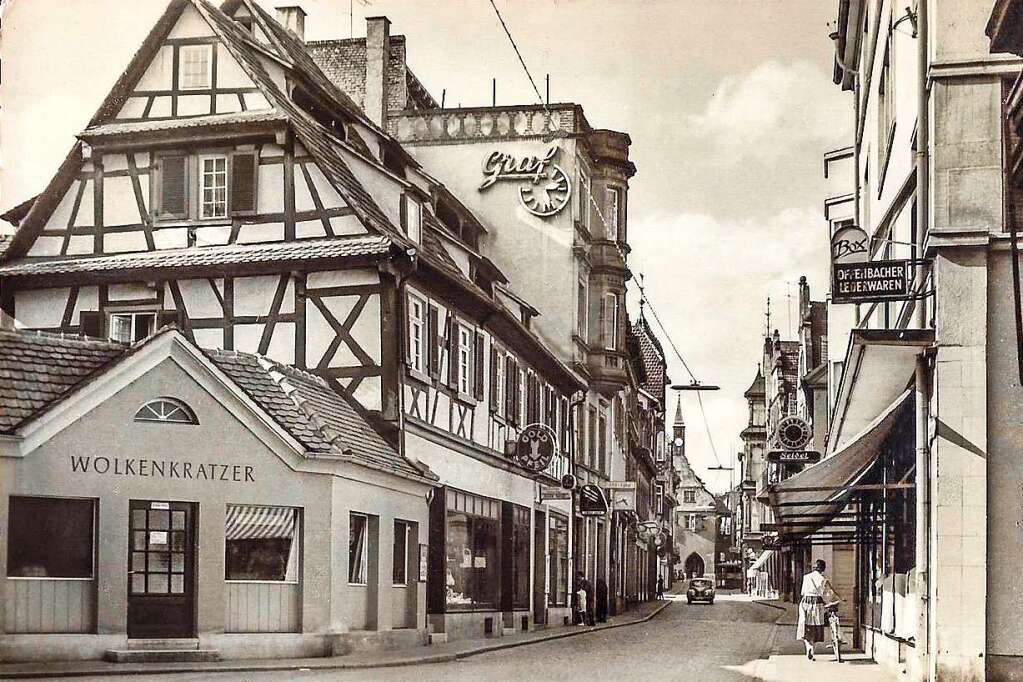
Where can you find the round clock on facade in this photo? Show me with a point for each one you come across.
(547, 194)
(794, 433)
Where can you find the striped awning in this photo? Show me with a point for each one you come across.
(258, 523)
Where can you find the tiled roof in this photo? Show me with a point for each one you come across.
(652, 356)
(204, 256)
(320, 419)
(37, 369)
(257, 116)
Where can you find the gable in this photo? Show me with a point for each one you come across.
(164, 91)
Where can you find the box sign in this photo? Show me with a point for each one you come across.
(879, 280)
(794, 456)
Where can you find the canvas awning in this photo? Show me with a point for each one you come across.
(258, 523)
(761, 560)
(810, 500)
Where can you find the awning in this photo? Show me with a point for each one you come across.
(808, 501)
(879, 364)
(259, 523)
(761, 560)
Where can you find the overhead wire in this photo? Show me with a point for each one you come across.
(607, 231)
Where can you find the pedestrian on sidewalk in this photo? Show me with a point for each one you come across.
(660, 587)
(813, 620)
(601, 605)
(584, 599)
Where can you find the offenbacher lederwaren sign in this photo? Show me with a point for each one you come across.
(857, 279)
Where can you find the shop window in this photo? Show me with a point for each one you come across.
(49, 537)
(262, 543)
(473, 573)
(520, 542)
(416, 332)
(167, 410)
(400, 555)
(194, 67)
(131, 327)
(558, 568)
(358, 549)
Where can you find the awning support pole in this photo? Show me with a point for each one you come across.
(923, 509)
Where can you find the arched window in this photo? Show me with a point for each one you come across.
(169, 410)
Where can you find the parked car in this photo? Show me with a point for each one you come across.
(700, 589)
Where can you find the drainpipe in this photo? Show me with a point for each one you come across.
(923, 471)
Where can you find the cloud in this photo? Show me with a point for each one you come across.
(708, 278)
(771, 107)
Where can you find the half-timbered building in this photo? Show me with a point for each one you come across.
(227, 187)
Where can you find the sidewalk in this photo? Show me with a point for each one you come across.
(788, 659)
(436, 653)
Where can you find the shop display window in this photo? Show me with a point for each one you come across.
(558, 550)
(262, 543)
(49, 537)
(472, 553)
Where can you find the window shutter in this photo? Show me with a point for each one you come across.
(173, 190)
(493, 378)
(90, 323)
(477, 366)
(244, 175)
(452, 351)
(433, 342)
(510, 372)
(531, 399)
(165, 318)
(518, 389)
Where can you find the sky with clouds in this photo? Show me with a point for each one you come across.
(729, 104)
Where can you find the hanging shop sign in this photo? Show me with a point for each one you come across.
(794, 456)
(621, 496)
(544, 188)
(879, 280)
(793, 434)
(850, 244)
(534, 447)
(592, 501)
(553, 492)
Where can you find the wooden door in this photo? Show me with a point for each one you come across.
(161, 569)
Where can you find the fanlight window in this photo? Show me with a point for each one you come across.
(166, 410)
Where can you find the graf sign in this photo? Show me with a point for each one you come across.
(544, 187)
(880, 280)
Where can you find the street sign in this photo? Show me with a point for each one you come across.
(880, 280)
(592, 501)
(794, 456)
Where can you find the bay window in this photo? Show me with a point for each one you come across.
(611, 321)
(472, 552)
(613, 212)
(262, 543)
(49, 537)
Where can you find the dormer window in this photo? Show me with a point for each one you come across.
(412, 218)
(131, 327)
(194, 67)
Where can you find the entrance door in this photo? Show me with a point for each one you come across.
(161, 569)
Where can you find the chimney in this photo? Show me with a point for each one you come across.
(378, 50)
(292, 17)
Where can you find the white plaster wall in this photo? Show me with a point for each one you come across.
(190, 25)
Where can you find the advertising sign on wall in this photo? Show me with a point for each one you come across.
(857, 279)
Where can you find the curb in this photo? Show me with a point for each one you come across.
(769, 604)
(338, 665)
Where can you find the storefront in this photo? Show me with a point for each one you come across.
(217, 514)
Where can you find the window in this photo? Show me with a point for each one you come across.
(473, 575)
(580, 317)
(613, 212)
(416, 327)
(401, 544)
(520, 387)
(659, 498)
(131, 327)
(885, 109)
(358, 549)
(262, 543)
(465, 352)
(580, 435)
(602, 442)
(204, 187)
(413, 218)
(557, 550)
(194, 67)
(591, 429)
(611, 321)
(497, 381)
(213, 187)
(584, 198)
(689, 496)
(167, 410)
(50, 537)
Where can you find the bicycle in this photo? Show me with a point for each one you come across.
(836, 629)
